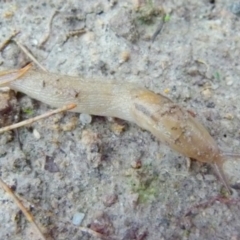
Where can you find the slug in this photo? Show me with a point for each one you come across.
(166, 120)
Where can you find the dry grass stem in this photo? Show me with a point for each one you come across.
(26, 213)
(31, 120)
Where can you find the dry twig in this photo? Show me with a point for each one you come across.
(30, 55)
(31, 120)
(8, 40)
(45, 39)
(26, 213)
(15, 74)
(92, 232)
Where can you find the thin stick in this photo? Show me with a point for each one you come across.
(49, 29)
(229, 154)
(74, 33)
(26, 213)
(92, 232)
(211, 201)
(6, 42)
(77, 32)
(13, 75)
(27, 52)
(31, 120)
(159, 29)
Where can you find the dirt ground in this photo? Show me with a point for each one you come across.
(122, 183)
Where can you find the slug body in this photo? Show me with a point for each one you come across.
(166, 120)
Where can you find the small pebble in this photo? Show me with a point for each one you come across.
(136, 164)
(207, 93)
(78, 218)
(35, 42)
(36, 134)
(229, 81)
(124, 56)
(167, 90)
(235, 8)
(85, 118)
(229, 116)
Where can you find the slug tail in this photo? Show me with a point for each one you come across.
(217, 165)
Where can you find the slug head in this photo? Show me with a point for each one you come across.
(173, 126)
(177, 128)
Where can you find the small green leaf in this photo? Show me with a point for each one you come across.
(28, 111)
(217, 75)
(167, 18)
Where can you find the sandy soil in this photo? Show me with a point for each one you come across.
(64, 170)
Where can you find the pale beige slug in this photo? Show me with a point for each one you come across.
(166, 120)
